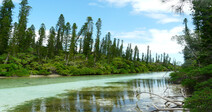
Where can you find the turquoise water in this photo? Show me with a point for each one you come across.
(85, 93)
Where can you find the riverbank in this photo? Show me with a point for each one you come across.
(57, 75)
(34, 76)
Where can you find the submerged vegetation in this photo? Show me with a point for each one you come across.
(116, 96)
(195, 74)
(66, 51)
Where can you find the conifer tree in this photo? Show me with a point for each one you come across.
(142, 57)
(131, 52)
(60, 28)
(5, 24)
(104, 46)
(73, 39)
(136, 54)
(147, 55)
(113, 48)
(51, 42)
(121, 49)
(80, 45)
(108, 46)
(117, 48)
(150, 56)
(67, 36)
(22, 25)
(42, 36)
(13, 44)
(97, 43)
(30, 37)
(88, 37)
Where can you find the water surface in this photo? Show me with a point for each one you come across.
(111, 93)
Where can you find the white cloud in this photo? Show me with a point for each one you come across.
(95, 4)
(163, 18)
(161, 40)
(158, 40)
(119, 3)
(148, 5)
(137, 34)
(152, 7)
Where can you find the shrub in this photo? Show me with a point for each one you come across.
(74, 71)
(189, 83)
(200, 101)
(201, 86)
(87, 71)
(99, 72)
(43, 72)
(206, 71)
(8, 69)
(123, 71)
(63, 72)
(21, 72)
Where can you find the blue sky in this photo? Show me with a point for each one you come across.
(140, 22)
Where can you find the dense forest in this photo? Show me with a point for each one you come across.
(66, 51)
(195, 74)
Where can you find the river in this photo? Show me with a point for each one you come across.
(111, 93)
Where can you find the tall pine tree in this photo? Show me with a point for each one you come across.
(42, 36)
(73, 39)
(51, 42)
(5, 24)
(97, 43)
(87, 44)
(60, 28)
(22, 25)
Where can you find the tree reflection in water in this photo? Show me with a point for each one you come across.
(119, 96)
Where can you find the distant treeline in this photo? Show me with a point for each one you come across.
(67, 49)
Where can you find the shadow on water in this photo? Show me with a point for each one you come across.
(117, 97)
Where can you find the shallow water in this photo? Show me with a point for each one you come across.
(116, 93)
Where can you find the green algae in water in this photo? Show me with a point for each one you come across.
(117, 97)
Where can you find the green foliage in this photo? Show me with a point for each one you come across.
(200, 101)
(202, 85)
(13, 70)
(21, 72)
(74, 71)
(198, 81)
(43, 72)
(206, 71)
(99, 72)
(5, 24)
(123, 71)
